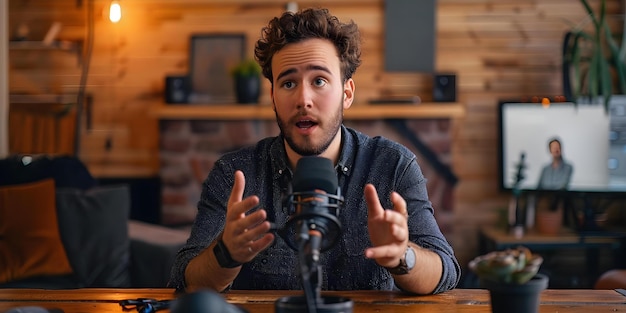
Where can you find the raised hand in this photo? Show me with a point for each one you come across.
(388, 229)
(245, 234)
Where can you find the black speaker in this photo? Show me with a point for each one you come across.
(176, 89)
(444, 88)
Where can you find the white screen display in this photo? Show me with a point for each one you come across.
(583, 131)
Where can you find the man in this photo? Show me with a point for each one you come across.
(389, 236)
(557, 174)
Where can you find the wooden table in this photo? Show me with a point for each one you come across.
(458, 300)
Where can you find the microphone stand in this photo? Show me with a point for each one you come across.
(310, 269)
(311, 274)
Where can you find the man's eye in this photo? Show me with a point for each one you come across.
(288, 85)
(319, 82)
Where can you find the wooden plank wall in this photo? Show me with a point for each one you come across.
(4, 81)
(498, 49)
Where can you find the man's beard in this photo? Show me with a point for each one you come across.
(308, 148)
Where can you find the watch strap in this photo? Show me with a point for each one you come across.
(403, 268)
(223, 256)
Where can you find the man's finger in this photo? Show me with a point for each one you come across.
(383, 254)
(236, 194)
(374, 209)
(399, 204)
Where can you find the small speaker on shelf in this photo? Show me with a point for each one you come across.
(177, 89)
(444, 88)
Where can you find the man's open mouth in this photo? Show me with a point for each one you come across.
(305, 124)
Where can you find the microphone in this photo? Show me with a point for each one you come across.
(313, 227)
(314, 206)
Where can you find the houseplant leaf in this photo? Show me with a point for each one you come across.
(592, 56)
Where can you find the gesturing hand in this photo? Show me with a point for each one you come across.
(245, 235)
(388, 229)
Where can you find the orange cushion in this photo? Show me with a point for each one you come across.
(30, 243)
(612, 279)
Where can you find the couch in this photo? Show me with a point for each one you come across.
(59, 229)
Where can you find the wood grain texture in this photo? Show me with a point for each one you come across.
(458, 300)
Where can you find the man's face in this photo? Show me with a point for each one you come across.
(308, 95)
(555, 150)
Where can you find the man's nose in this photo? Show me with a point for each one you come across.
(304, 96)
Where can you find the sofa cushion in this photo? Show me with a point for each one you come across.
(30, 242)
(93, 225)
(67, 171)
(152, 253)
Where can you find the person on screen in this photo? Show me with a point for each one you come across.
(390, 238)
(557, 174)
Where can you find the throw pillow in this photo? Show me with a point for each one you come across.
(94, 230)
(67, 171)
(30, 243)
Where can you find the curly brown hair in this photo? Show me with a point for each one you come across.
(309, 23)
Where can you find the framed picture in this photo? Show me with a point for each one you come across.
(211, 58)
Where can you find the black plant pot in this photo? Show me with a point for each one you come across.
(515, 298)
(248, 89)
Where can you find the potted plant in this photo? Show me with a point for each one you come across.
(593, 58)
(512, 278)
(550, 208)
(247, 76)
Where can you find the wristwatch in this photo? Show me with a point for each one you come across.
(406, 264)
(223, 256)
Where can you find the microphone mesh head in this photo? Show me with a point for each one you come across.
(314, 172)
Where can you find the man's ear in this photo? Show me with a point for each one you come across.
(348, 93)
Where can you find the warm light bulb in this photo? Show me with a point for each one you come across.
(115, 12)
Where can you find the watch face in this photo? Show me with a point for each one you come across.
(406, 264)
(410, 258)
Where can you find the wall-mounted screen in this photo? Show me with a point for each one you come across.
(587, 137)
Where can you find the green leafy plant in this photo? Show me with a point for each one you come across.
(592, 59)
(246, 68)
(511, 266)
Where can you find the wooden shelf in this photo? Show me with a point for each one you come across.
(64, 46)
(43, 99)
(40, 45)
(117, 171)
(265, 112)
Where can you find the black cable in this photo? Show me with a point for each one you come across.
(83, 77)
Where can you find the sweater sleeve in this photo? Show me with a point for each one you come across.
(423, 228)
(208, 223)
